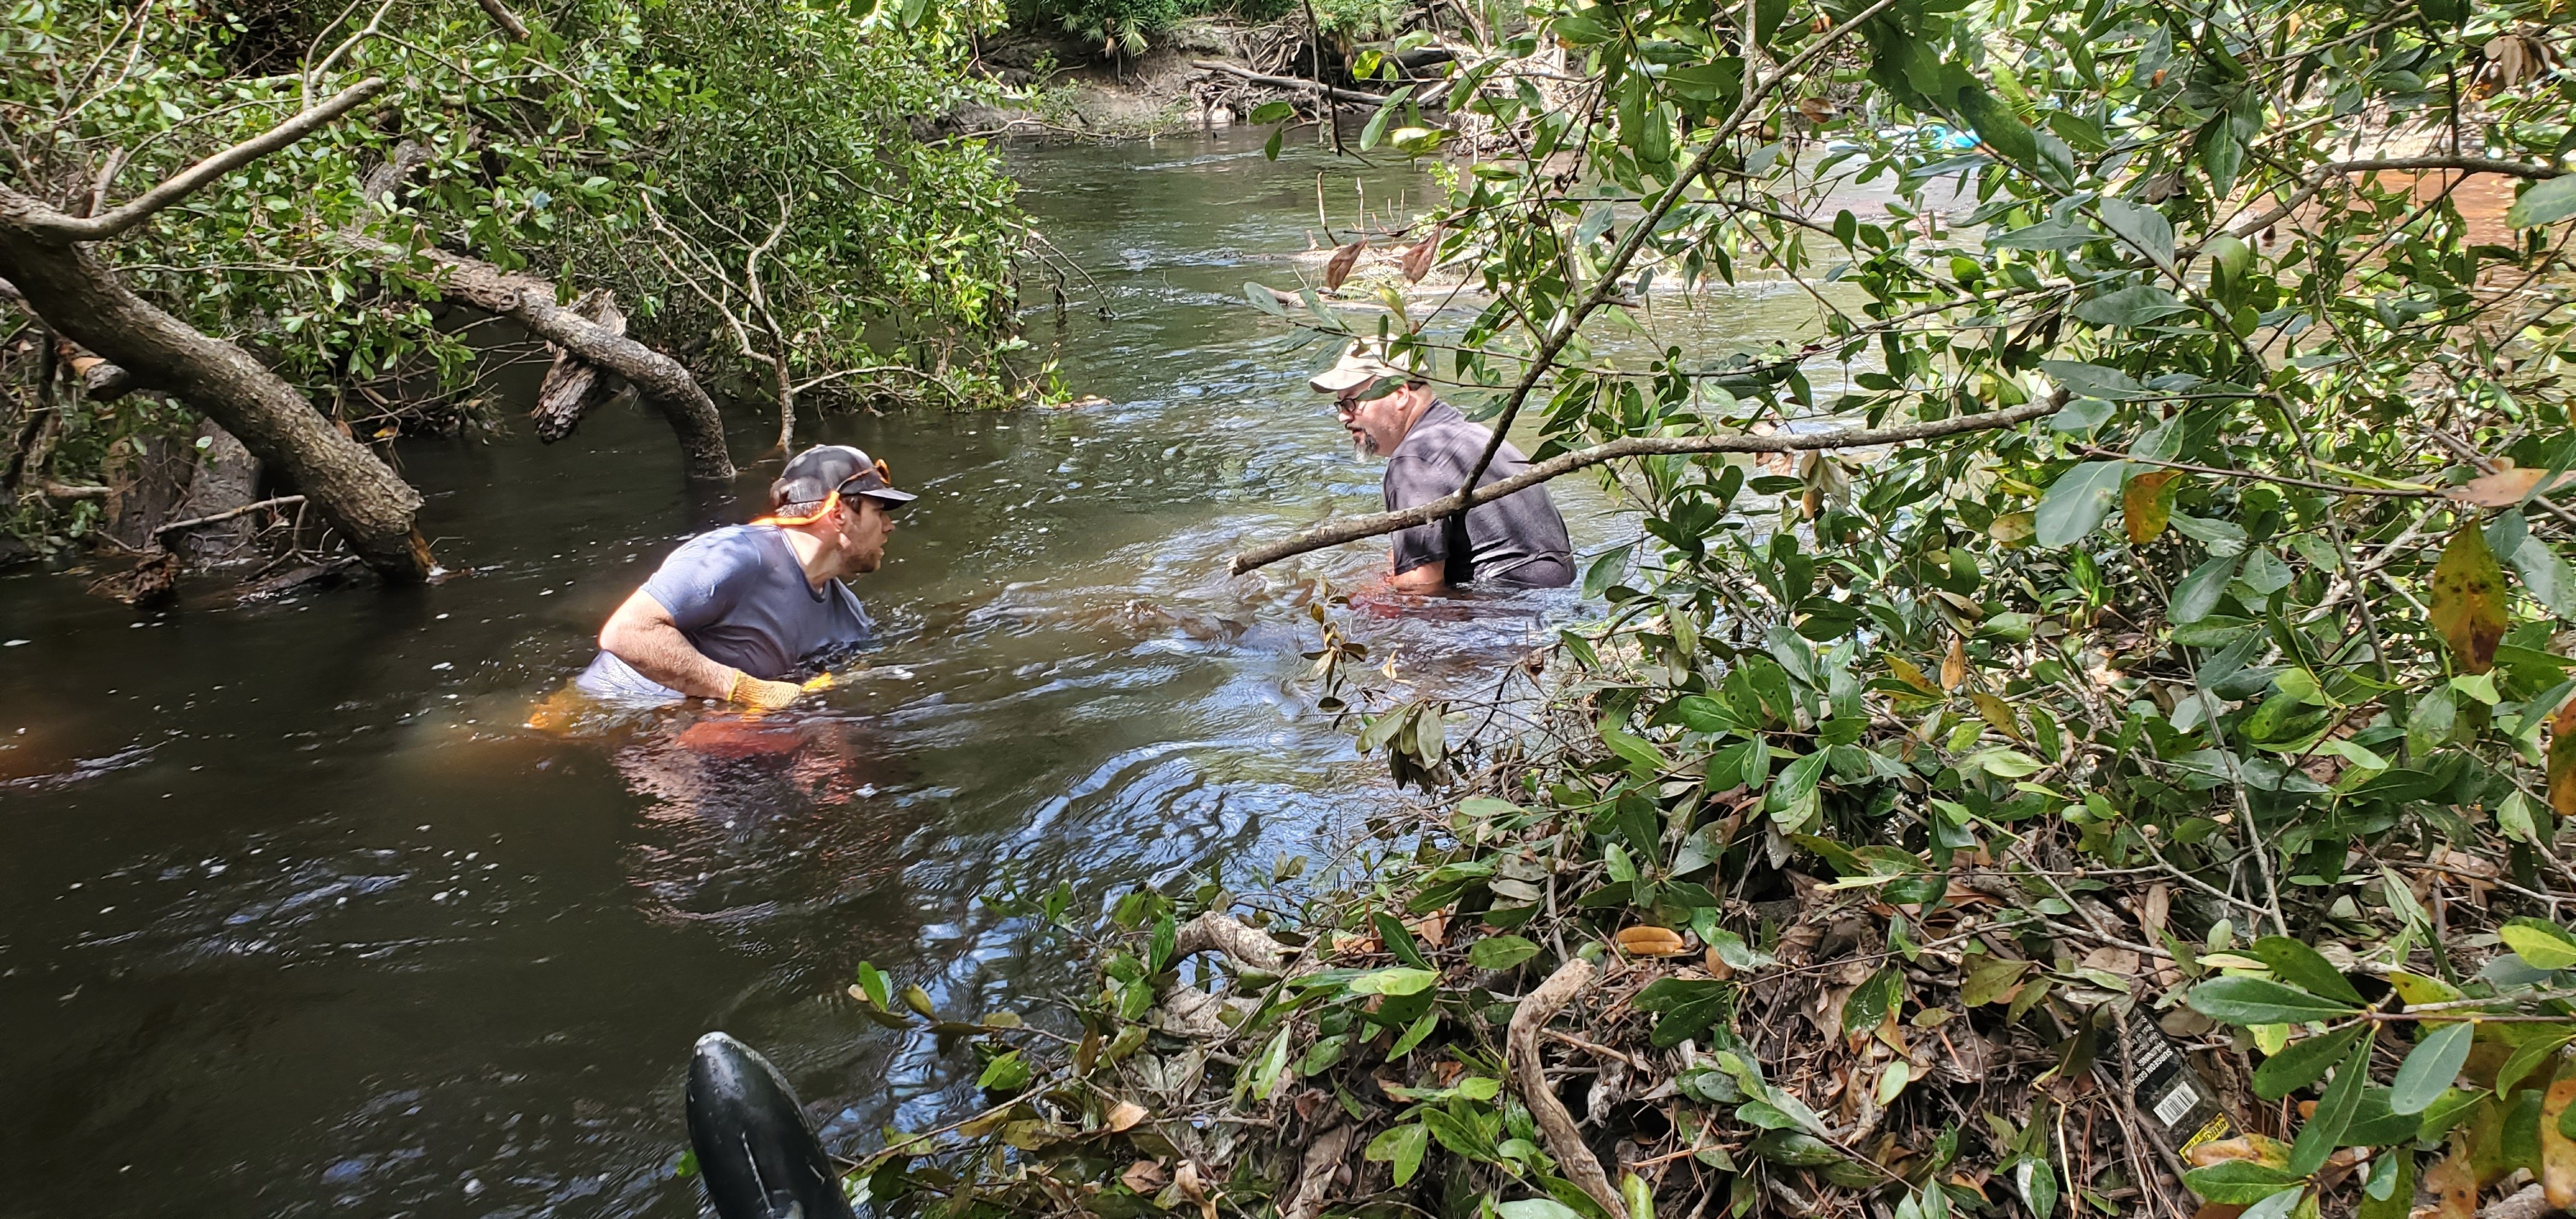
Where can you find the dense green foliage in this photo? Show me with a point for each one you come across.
(2239, 667)
(553, 155)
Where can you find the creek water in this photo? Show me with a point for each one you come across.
(297, 916)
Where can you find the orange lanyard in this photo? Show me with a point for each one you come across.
(830, 502)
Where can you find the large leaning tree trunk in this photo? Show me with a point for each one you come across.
(48, 257)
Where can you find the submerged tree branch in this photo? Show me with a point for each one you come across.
(1335, 533)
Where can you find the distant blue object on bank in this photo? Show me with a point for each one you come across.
(756, 1156)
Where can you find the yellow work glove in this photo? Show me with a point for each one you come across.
(820, 681)
(761, 695)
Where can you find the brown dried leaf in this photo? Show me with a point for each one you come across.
(1651, 942)
(1433, 929)
(2146, 504)
(2454, 1186)
(1143, 1176)
(2468, 599)
(2504, 488)
(1418, 260)
(1954, 667)
(1344, 259)
(1716, 965)
(1123, 1115)
(1187, 1177)
(2562, 760)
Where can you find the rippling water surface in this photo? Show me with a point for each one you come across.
(295, 917)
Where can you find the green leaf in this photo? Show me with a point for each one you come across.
(2137, 305)
(1263, 299)
(2301, 966)
(2529, 1055)
(1501, 952)
(1536, 1208)
(1376, 126)
(2251, 1001)
(2540, 944)
(2238, 1182)
(1007, 1073)
(2303, 1062)
(2429, 1070)
(2093, 380)
(873, 983)
(2324, 1131)
(2277, 1206)
(2038, 1185)
(2142, 227)
(1996, 124)
(1394, 982)
(1413, 1036)
(1795, 1148)
(2544, 203)
(1272, 112)
(2077, 502)
(1401, 1146)
(2198, 594)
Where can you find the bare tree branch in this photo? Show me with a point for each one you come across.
(504, 18)
(1606, 285)
(53, 226)
(2335, 169)
(1335, 533)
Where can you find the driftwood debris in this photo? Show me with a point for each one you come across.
(1529, 1076)
(574, 385)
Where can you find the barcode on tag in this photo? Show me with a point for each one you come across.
(2176, 1104)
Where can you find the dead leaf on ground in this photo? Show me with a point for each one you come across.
(1187, 1177)
(2454, 1186)
(2259, 1148)
(1651, 942)
(1344, 259)
(1433, 929)
(1123, 1115)
(1143, 1176)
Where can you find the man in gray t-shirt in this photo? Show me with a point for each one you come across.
(741, 613)
(1517, 541)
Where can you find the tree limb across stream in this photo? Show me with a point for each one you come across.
(1334, 533)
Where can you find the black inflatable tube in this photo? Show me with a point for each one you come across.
(756, 1156)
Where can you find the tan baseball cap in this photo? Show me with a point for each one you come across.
(1364, 361)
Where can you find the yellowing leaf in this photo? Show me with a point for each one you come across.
(1651, 942)
(1996, 712)
(1906, 672)
(2557, 1151)
(1954, 667)
(2562, 759)
(2468, 599)
(2147, 503)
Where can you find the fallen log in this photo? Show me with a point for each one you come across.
(574, 385)
(1292, 82)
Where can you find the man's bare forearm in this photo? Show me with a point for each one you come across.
(642, 634)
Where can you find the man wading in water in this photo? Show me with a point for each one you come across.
(1517, 541)
(734, 613)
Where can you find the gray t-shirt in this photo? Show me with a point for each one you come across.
(1518, 539)
(740, 596)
